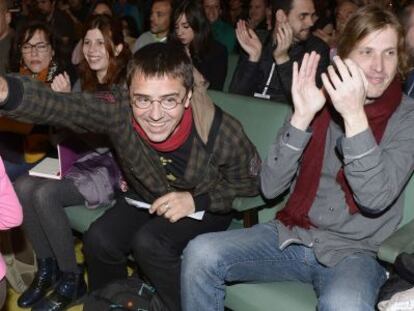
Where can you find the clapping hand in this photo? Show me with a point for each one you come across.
(284, 37)
(347, 88)
(248, 41)
(61, 83)
(308, 99)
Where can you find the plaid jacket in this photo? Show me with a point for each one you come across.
(230, 170)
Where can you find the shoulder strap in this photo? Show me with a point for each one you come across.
(218, 117)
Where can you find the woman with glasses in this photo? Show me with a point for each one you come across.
(192, 29)
(92, 180)
(23, 144)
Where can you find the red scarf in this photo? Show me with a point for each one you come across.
(297, 208)
(176, 140)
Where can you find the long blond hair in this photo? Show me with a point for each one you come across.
(367, 20)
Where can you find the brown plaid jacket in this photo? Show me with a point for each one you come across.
(230, 170)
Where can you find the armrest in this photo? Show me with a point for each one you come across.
(400, 241)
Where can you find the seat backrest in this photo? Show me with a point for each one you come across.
(261, 119)
(232, 61)
(408, 202)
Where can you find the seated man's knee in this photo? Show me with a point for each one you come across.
(97, 243)
(147, 247)
(202, 254)
(344, 299)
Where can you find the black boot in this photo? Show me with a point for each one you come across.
(46, 277)
(68, 292)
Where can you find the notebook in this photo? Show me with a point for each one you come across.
(56, 168)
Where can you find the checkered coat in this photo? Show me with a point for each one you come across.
(230, 170)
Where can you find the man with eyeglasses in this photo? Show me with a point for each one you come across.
(179, 153)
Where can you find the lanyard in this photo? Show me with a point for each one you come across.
(264, 94)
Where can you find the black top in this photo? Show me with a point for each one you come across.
(250, 77)
(213, 65)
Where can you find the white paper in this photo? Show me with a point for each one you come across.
(140, 204)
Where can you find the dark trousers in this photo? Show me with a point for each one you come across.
(156, 244)
(45, 222)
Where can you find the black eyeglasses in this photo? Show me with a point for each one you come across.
(168, 102)
(40, 47)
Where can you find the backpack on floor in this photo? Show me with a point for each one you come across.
(131, 294)
(19, 257)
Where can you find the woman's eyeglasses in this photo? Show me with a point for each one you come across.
(40, 47)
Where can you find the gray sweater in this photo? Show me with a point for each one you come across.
(376, 174)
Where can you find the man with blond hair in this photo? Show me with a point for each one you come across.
(345, 156)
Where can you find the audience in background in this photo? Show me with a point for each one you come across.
(222, 31)
(100, 7)
(257, 14)
(192, 29)
(257, 18)
(265, 71)
(78, 11)
(92, 180)
(124, 8)
(343, 12)
(237, 11)
(130, 31)
(160, 19)
(22, 145)
(6, 36)
(61, 24)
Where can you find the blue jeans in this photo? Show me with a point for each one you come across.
(247, 255)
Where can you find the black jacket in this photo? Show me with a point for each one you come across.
(250, 77)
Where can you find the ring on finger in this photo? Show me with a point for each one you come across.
(166, 206)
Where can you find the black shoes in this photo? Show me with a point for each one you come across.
(46, 277)
(69, 291)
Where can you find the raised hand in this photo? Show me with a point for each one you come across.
(347, 89)
(308, 99)
(330, 39)
(284, 39)
(61, 83)
(248, 41)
